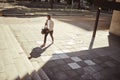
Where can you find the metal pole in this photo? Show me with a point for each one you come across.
(96, 22)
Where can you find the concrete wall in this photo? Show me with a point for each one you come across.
(115, 23)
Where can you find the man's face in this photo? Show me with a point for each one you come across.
(48, 17)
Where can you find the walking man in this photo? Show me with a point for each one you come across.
(50, 25)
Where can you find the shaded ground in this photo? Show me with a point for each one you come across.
(87, 20)
(103, 64)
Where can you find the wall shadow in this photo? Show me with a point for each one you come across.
(106, 59)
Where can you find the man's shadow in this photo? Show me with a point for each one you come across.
(37, 51)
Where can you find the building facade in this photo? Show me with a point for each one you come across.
(115, 23)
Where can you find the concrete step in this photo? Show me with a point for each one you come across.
(12, 72)
(3, 75)
(12, 43)
(14, 64)
(22, 69)
(7, 66)
(34, 75)
(40, 71)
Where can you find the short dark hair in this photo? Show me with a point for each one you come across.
(49, 16)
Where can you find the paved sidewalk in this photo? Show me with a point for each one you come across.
(14, 64)
(74, 55)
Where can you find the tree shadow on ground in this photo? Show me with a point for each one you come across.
(88, 20)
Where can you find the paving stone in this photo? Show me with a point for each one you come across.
(50, 74)
(115, 62)
(71, 73)
(61, 76)
(90, 70)
(108, 72)
(78, 78)
(46, 58)
(55, 69)
(98, 76)
(105, 58)
(2, 69)
(84, 57)
(82, 63)
(60, 61)
(58, 52)
(97, 68)
(74, 54)
(63, 56)
(68, 60)
(84, 48)
(39, 71)
(89, 62)
(66, 50)
(39, 42)
(50, 64)
(104, 66)
(7, 58)
(11, 72)
(80, 71)
(92, 55)
(110, 64)
(74, 65)
(71, 43)
(76, 59)
(55, 57)
(22, 71)
(97, 61)
(116, 57)
(64, 67)
(87, 77)
(67, 47)
(3, 76)
(102, 52)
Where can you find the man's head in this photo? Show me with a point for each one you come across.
(49, 17)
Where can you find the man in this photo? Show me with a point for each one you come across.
(49, 24)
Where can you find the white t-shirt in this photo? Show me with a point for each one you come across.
(50, 25)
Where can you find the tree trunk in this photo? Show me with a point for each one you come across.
(79, 4)
(46, 0)
(51, 4)
(58, 1)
